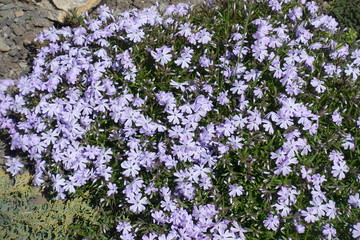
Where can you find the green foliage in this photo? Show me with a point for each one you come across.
(24, 214)
(347, 14)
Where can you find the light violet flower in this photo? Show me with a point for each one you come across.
(329, 231)
(137, 202)
(272, 222)
(14, 165)
(162, 55)
(356, 230)
(354, 200)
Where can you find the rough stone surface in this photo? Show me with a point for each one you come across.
(19, 13)
(80, 6)
(18, 29)
(20, 21)
(3, 46)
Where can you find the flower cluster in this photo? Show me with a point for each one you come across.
(196, 129)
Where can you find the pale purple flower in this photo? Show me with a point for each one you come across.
(112, 189)
(135, 34)
(162, 55)
(354, 200)
(14, 165)
(222, 98)
(331, 210)
(185, 29)
(310, 215)
(356, 230)
(58, 183)
(312, 7)
(224, 234)
(137, 202)
(272, 222)
(336, 156)
(235, 190)
(348, 142)
(337, 118)
(329, 231)
(318, 85)
(339, 169)
(203, 36)
(236, 228)
(205, 61)
(124, 227)
(239, 87)
(300, 228)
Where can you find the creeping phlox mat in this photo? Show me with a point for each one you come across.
(230, 121)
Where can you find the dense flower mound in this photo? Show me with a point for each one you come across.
(227, 122)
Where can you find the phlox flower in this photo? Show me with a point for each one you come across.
(329, 231)
(272, 222)
(283, 168)
(310, 215)
(239, 87)
(235, 190)
(169, 236)
(348, 142)
(131, 168)
(236, 142)
(137, 202)
(337, 118)
(331, 210)
(185, 29)
(318, 85)
(354, 200)
(312, 7)
(352, 71)
(124, 227)
(203, 36)
(282, 209)
(162, 55)
(14, 165)
(275, 5)
(300, 228)
(236, 228)
(135, 34)
(318, 206)
(112, 189)
(295, 14)
(58, 183)
(222, 98)
(356, 230)
(183, 61)
(336, 156)
(224, 234)
(268, 126)
(205, 61)
(175, 116)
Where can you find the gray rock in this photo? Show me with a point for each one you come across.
(13, 53)
(6, 1)
(28, 38)
(7, 6)
(56, 15)
(3, 46)
(18, 29)
(17, 40)
(7, 14)
(23, 64)
(19, 13)
(41, 22)
(79, 6)
(8, 22)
